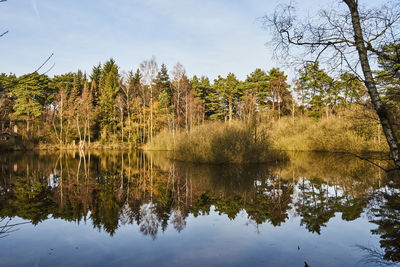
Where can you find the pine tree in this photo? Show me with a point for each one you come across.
(229, 92)
(278, 89)
(163, 85)
(206, 94)
(256, 93)
(7, 83)
(350, 89)
(316, 87)
(108, 92)
(388, 78)
(95, 83)
(29, 95)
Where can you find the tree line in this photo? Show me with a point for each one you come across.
(113, 106)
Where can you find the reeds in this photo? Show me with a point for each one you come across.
(333, 134)
(219, 142)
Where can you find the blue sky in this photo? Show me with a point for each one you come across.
(209, 37)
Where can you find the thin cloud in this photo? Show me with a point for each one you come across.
(35, 8)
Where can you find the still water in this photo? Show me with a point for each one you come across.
(136, 209)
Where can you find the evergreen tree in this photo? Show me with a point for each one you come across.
(256, 92)
(7, 83)
(229, 92)
(29, 94)
(316, 88)
(388, 79)
(109, 78)
(256, 85)
(206, 94)
(163, 85)
(278, 89)
(351, 89)
(95, 83)
(65, 81)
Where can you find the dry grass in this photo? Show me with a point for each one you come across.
(236, 142)
(335, 134)
(219, 142)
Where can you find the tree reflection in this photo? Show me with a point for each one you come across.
(6, 228)
(315, 207)
(387, 218)
(113, 189)
(149, 222)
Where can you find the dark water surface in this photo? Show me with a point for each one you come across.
(135, 209)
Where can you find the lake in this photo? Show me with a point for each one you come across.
(141, 209)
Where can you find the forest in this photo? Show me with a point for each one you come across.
(113, 108)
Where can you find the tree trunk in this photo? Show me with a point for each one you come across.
(230, 109)
(79, 130)
(273, 103)
(383, 113)
(122, 126)
(279, 106)
(186, 113)
(293, 112)
(151, 113)
(129, 124)
(61, 122)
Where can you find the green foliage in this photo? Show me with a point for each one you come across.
(31, 94)
(388, 78)
(207, 95)
(111, 107)
(351, 89)
(7, 83)
(256, 84)
(315, 88)
(163, 85)
(278, 89)
(65, 81)
(229, 93)
(109, 80)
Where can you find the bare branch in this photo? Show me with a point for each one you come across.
(52, 66)
(4, 33)
(41, 66)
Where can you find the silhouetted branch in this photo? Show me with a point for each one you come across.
(6, 229)
(370, 161)
(52, 54)
(49, 68)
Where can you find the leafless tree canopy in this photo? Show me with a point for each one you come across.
(149, 70)
(329, 38)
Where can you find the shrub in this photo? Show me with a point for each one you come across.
(334, 134)
(219, 142)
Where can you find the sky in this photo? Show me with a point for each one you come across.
(208, 37)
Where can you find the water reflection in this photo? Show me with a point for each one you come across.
(109, 190)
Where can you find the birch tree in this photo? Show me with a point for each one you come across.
(347, 38)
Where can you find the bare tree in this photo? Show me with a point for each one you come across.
(128, 88)
(348, 37)
(149, 71)
(178, 87)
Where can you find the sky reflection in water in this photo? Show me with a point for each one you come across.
(136, 209)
